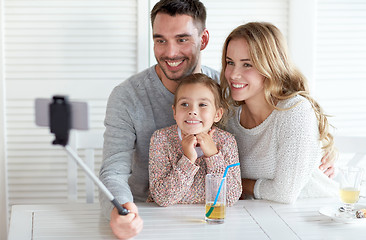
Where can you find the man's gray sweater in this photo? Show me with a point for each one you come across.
(136, 108)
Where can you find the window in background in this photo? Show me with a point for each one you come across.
(79, 48)
(224, 16)
(341, 64)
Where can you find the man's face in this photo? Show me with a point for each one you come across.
(177, 45)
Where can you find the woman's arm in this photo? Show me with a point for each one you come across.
(248, 187)
(297, 155)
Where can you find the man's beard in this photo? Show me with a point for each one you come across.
(175, 79)
(180, 78)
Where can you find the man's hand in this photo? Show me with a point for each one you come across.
(126, 227)
(327, 164)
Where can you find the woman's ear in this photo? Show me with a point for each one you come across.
(218, 115)
(204, 39)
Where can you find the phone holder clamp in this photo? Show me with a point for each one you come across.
(60, 119)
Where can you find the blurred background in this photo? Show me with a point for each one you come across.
(83, 48)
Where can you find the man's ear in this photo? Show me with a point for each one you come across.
(204, 39)
(218, 115)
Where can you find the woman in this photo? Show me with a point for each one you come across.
(280, 129)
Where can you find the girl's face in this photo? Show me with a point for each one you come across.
(195, 110)
(245, 82)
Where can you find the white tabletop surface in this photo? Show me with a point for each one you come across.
(248, 219)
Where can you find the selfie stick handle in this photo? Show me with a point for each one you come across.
(80, 162)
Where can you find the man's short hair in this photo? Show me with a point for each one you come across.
(193, 8)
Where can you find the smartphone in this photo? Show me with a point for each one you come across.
(79, 113)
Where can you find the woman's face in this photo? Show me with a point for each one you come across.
(245, 82)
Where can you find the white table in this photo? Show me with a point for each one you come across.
(249, 219)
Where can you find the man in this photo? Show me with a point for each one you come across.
(143, 103)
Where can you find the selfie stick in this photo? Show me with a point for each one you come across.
(60, 125)
(80, 162)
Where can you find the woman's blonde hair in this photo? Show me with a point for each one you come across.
(268, 53)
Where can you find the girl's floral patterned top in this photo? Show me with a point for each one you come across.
(175, 179)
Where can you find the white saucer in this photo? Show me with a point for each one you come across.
(334, 213)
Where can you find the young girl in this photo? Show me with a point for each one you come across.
(181, 155)
(280, 129)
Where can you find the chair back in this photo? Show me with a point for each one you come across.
(87, 141)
